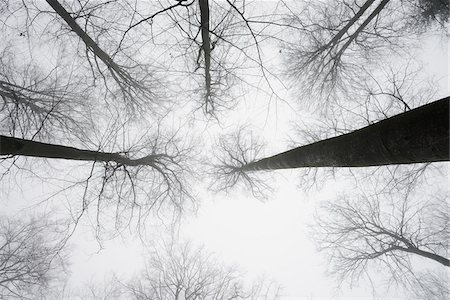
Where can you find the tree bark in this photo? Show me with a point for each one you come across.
(417, 136)
(23, 147)
(206, 45)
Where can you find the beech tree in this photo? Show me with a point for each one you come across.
(85, 88)
(37, 105)
(337, 37)
(416, 136)
(202, 37)
(86, 104)
(181, 271)
(31, 259)
(384, 231)
(136, 93)
(391, 91)
(133, 187)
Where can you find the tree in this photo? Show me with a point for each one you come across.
(136, 93)
(181, 271)
(416, 136)
(37, 104)
(339, 37)
(61, 109)
(384, 232)
(31, 258)
(200, 37)
(134, 186)
(389, 92)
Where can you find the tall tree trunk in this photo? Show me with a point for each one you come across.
(23, 147)
(417, 136)
(206, 45)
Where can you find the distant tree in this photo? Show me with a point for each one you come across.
(336, 38)
(432, 285)
(31, 258)
(181, 271)
(384, 232)
(37, 105)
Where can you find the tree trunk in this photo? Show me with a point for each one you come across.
(16, 146)
(417, 136)
(206, 45)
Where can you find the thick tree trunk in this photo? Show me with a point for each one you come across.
(417, 136)
(16, 146)
(206, 45)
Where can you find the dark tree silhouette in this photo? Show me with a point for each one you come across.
(134, 187)
(416, 136)
(391, 91)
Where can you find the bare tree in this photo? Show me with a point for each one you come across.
(336, 38)
(391, 91)
(151, 55)
(433, 285)
(181, 271)
(31, 258)
(136, 92)
(38, 105)
(203, 46)
(234, 151)
(383, 232)
(416, 136)
(151, 176)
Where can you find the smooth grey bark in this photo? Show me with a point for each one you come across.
(417, 136)
(23, 147)
(206, 45)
